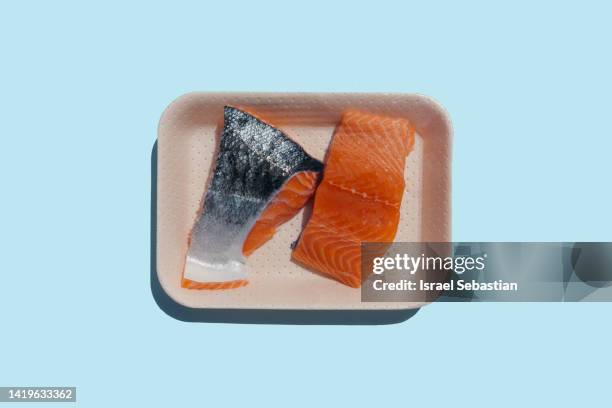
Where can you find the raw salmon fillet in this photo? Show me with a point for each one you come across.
(359, 197)
(261, 180)
(284, 206)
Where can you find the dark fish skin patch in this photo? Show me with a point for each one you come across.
(254, 161)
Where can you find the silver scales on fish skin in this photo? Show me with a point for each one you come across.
(255, 160)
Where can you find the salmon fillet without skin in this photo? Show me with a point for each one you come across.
(360, 195)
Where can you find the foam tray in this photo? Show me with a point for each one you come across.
(187, 136)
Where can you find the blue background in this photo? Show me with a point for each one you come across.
(82, 88)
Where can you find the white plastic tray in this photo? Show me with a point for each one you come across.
(187, 138)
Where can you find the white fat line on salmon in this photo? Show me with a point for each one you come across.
(362, 194)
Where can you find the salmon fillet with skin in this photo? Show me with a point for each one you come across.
(283, 207)
(261, 179)
(360, 195)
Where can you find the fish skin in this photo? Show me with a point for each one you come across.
(254, 163)
(359, 197)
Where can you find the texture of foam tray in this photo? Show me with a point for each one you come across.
(187, 143)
